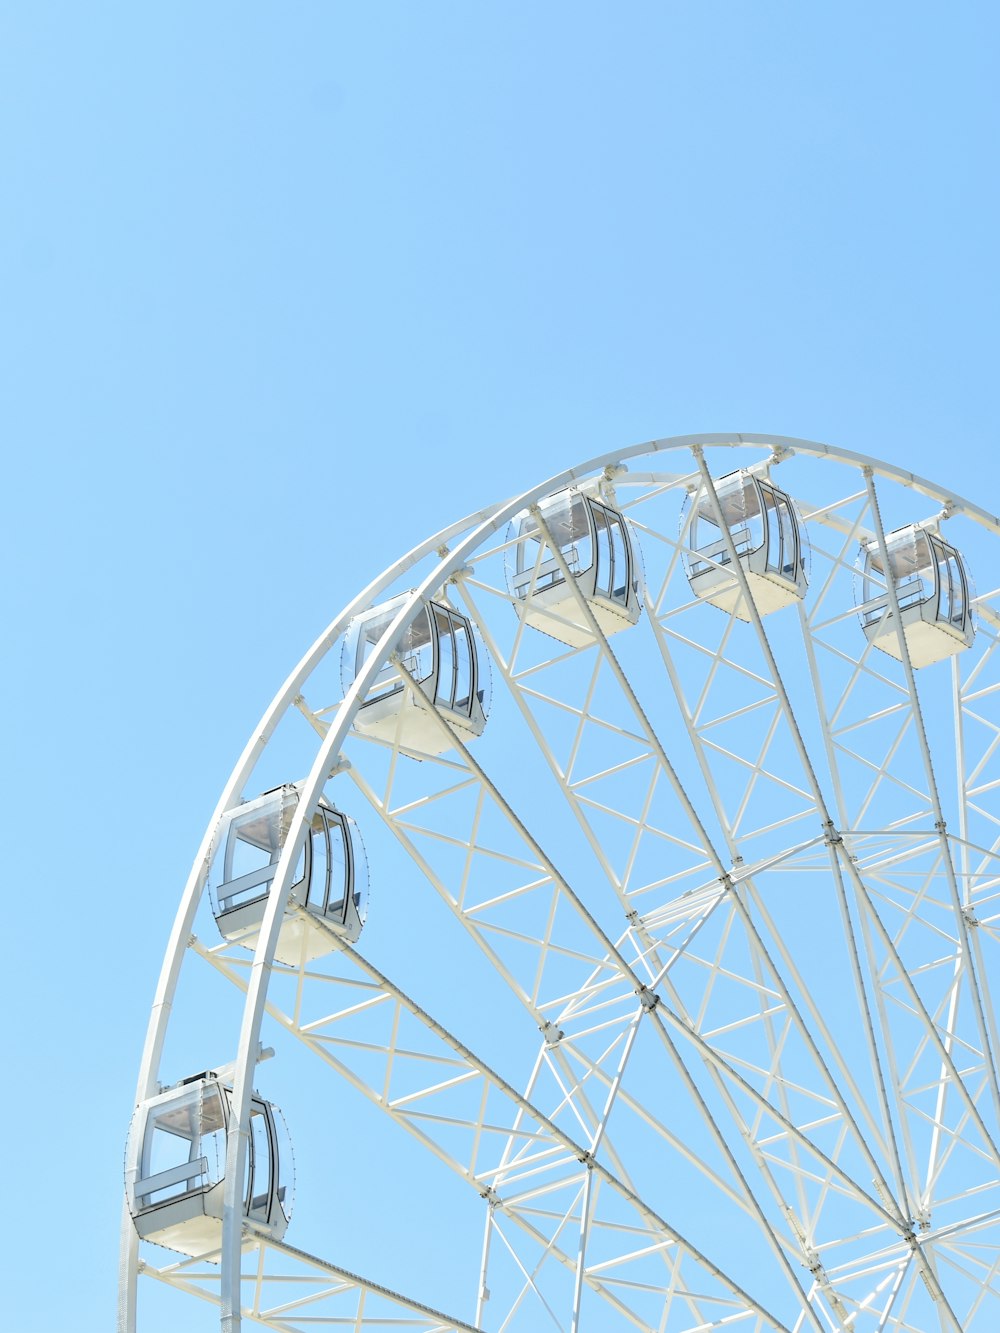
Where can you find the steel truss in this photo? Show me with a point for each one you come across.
(736, 888)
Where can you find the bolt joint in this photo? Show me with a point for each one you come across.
(831, 834)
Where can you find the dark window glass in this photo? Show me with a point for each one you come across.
(317, 888)
(259, 1164)
(958, 598)
(253, 847)
(603, 576)
(463, 665)
(620, 559)
(339, 870)
(445, 693)
(788, 556)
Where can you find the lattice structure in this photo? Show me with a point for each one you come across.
(729, 890)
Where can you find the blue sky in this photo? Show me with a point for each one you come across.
(288, 287)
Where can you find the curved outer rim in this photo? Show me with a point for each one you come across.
(476, 528)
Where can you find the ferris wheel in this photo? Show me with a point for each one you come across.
(677, 783)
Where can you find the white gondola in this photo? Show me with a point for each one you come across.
(932, 590)
(175, 1167)
(440, 655)
(598, 548)
(330, 880)
(768, 540)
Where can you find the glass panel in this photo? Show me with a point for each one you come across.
(789, 539)
(463, 665)
(245, 852)
(913, 572)
(252, 851)
(951, 594)
(580, 557)
(526, 573)
(445, 692)
(873, 587)
(259, 1192)
(370, 630)
(188, 1129)
(706, 539)
(912, 565)
(602, 578)
(415, 648)
(782, 533)
(534, 566)
(339, 868)
(566, 519)
(388, 678)
(251, 838)
(318, 886)
(957, 592)
(945, 590)
(774, 533)
(740, 503)
(751, 534)
(620, 559)
(739, 499)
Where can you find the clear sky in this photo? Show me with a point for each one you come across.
(287, 287)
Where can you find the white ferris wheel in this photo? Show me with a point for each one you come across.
(679, 777)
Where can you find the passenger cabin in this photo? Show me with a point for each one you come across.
(597, 548)
(176, 1160)
(330, 880)
(438, 655)
(767, 538)
(932, 590)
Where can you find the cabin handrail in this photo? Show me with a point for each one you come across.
(716, 556)
(251, 880)
(197, 1166)
(523, 578)
(909, 591)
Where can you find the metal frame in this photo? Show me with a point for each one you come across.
(759, 968)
